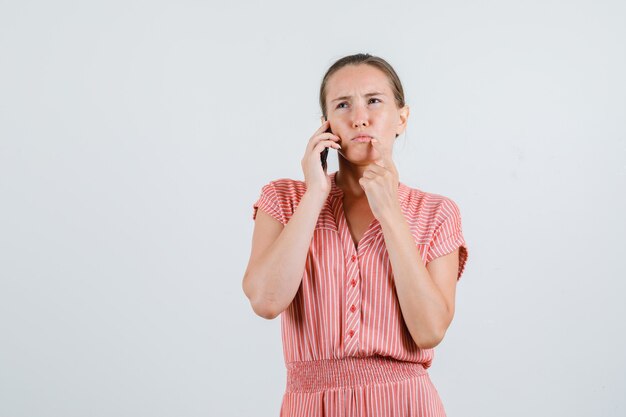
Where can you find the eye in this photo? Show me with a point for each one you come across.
(343, 102)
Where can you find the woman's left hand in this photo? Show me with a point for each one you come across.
(380, 182)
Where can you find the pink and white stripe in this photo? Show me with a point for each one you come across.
(347, 349)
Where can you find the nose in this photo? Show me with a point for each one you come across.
(361, 117)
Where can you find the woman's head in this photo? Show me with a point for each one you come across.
(362, 94)
(363, 59)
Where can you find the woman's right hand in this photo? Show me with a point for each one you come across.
(315, 177)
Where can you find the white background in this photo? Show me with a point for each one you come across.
(135, 137)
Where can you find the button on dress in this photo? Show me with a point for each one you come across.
(347, 349)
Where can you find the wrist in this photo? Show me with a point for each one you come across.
(316, 197)
(391, 216)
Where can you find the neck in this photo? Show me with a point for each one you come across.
(347, 179)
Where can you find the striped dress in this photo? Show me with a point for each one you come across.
(346, 347)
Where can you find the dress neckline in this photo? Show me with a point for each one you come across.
(335, 191)
(374, 227)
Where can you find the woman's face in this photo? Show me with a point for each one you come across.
(359, 101)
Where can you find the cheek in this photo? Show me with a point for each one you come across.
(387, 123)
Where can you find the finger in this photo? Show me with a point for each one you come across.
(323, 127)
(328, 135)
(319, 147)
(377, 167)
(386, 159)
(383, 151)
(319, 137)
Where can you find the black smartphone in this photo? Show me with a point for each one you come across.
(324, 153)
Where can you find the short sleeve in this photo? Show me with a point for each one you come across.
(269, 203)
(448, 235)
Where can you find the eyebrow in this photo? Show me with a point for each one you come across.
(375, 93)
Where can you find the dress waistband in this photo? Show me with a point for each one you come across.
(318, 375)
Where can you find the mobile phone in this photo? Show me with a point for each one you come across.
(324, 153)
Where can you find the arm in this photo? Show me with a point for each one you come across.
(278, 256)
(426, 294)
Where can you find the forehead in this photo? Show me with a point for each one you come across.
(356, 80)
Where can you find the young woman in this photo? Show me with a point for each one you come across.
(361, 268)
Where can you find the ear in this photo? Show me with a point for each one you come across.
(404, 118)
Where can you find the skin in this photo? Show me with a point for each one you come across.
(369, 179)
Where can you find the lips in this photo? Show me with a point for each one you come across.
(362, 138)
